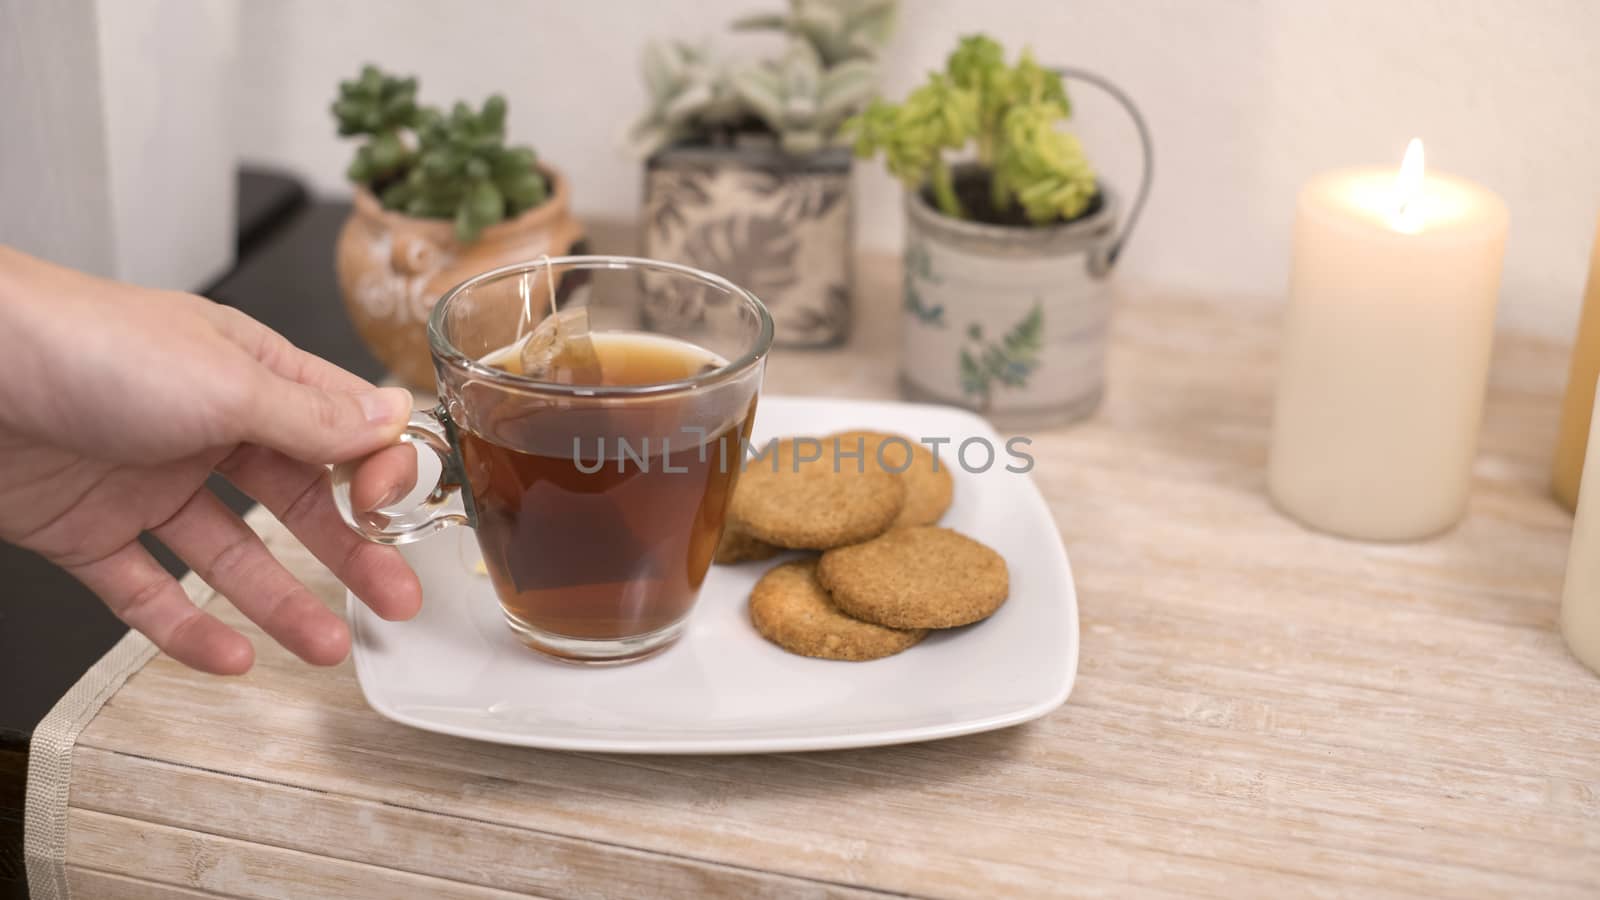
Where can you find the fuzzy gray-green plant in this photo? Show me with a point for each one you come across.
(421, 162)
(800, 100)
(839, 30)
(690, 94)
(825, 74)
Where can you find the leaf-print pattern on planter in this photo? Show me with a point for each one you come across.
(833, 318)
(674, 195)
(752, 251)
(798, 197)
(780, 231)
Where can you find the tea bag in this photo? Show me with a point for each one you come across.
(560, 349)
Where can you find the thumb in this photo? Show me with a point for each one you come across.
(321, 426)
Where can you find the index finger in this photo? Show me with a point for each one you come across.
(280, 355)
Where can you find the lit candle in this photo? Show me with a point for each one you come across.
(1580, 594)
(1386, 351)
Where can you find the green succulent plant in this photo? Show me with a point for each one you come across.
(381, 106)
(1011, 113)
(824, 75)
(422, 162)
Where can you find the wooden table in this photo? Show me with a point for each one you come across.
(1259, 710)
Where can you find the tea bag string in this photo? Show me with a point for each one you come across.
(525, 321)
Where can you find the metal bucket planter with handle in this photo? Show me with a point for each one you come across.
(1013, 321)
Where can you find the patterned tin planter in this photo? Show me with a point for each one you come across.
(777, 225)
(1012, 321)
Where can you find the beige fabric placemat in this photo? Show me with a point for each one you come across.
(49, 786)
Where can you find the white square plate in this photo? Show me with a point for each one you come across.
(457, 669)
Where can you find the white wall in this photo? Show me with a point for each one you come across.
(167, 86)
(116, 137)
(1247, 98)
(55, 196)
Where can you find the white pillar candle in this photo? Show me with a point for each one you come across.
(1580, 594)
(1386, 351)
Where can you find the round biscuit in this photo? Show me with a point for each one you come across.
(929, 484)
(916, 578)
(738, 545)
(789, 608)
(815, 504)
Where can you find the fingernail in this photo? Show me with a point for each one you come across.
(394, 494)
(386, 406)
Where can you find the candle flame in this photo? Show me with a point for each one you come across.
(1408, 190)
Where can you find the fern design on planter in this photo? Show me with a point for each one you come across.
(919, 267)
(1008, 362)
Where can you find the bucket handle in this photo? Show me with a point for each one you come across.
(1148, 168)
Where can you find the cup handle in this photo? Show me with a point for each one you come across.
(439, 510)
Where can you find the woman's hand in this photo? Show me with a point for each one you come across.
(117, 402)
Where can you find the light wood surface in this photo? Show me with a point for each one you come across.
(1259, 711)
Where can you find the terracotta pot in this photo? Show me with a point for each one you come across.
(393, 268)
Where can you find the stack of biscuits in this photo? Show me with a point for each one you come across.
(887, 575)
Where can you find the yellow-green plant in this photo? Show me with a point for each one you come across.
(424, 163)
(1012, 114)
